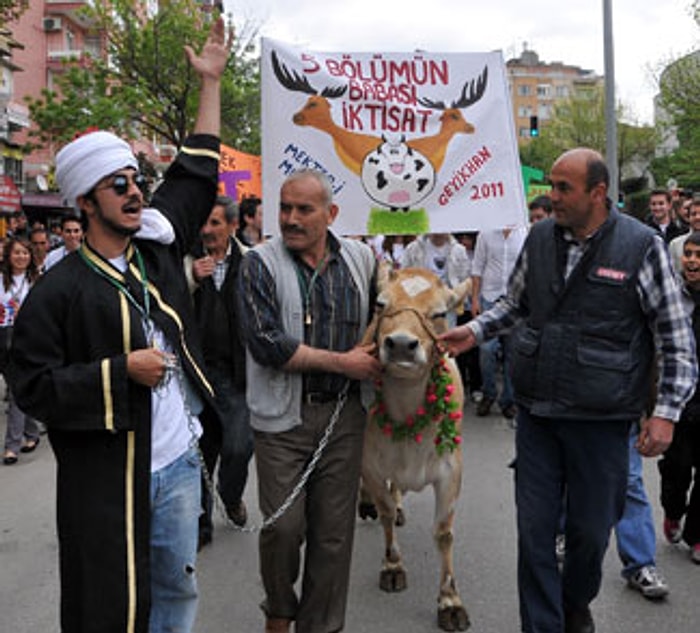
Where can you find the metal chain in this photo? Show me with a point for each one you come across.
(296, 491)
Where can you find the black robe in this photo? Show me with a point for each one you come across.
(68, 369)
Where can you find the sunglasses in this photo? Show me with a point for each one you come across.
(121, 182)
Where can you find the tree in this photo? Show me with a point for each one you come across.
(679, 101)
(580, 122)
(11, 10)
(143, 85)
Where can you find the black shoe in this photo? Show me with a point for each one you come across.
(484, 407)
(579, 621)
(238, 513)
(30, 446)
(510, 411)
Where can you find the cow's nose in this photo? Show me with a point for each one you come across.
(399, 344)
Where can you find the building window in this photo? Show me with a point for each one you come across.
(70, 39)
(524, 111)
(544, 90)
(524, 90)
(561, 92)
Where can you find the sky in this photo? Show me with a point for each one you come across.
(646, 33)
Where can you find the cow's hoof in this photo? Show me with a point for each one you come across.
(400, 518)
(367, 510)
(392, 580)
(453, 619)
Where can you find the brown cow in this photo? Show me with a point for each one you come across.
(414, 430)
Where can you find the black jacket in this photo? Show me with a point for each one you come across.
(68, 369)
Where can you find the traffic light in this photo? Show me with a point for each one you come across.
(534, 126)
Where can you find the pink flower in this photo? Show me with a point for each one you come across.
(455, 415)
(447, 398)
(418, 438)
(387, 430)
(457, 439)
(420, 411)
(437, 440)
(409, 421)
(431, 398)
(450, 388)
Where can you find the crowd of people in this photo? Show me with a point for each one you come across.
(165, 346)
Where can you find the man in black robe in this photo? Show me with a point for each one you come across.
(106, 354)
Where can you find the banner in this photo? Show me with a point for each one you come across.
(239, 174)
(411, 142)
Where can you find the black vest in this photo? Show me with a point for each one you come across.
(585, 349)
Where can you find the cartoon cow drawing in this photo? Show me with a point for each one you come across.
(396, 175)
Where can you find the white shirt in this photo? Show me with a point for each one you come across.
(55, 256)
(494, 259)
(172, 430)
(13, 297)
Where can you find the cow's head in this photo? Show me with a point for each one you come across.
(411, 312)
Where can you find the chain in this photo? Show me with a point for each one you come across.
(296, 491)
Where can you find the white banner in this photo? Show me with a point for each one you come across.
(411, 142)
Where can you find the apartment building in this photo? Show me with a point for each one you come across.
(536, 86)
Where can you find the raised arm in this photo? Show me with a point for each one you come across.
(210, 65)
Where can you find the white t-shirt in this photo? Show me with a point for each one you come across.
(172, 430)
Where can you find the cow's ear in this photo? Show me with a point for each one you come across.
(459, 293)
(385, 273)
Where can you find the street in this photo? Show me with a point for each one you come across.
(485, 557)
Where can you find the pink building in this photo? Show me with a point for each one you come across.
(51, 32)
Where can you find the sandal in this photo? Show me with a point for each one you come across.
(9, 458)
(30, 445)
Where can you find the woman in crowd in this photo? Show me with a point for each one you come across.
(18, 274)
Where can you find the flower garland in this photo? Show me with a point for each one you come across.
(439, 408)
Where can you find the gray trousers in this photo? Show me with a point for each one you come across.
(19, 426)
(323, 516)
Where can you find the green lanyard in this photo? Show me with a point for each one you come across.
(145, 310)
(306, 290)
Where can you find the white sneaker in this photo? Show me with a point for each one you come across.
(477, 396)
(649, 582)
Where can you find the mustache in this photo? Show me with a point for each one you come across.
(293, 229)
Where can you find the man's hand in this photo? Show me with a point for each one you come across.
(361, 363)
(203, 267)
(458, 340)
(211, 62)
(148, 366)
(655, 436)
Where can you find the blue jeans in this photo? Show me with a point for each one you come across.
(489, 353)
(635, 535)
(586, 462)
(175, 508)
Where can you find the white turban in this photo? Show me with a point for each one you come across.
(81, 164)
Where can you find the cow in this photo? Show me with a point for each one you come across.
(413, 436)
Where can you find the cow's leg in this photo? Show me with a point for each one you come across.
(365, 506)
(393, 575)
(398, 504)
(452, 616)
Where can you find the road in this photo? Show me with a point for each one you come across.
(231, 591)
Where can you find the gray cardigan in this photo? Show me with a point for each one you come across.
(274, 395)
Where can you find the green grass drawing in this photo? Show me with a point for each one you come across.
(384, 222)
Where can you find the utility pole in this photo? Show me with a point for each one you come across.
(610, 114)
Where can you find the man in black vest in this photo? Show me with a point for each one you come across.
(591, 294)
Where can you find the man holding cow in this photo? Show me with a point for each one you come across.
(304, 302)
(592, 300)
